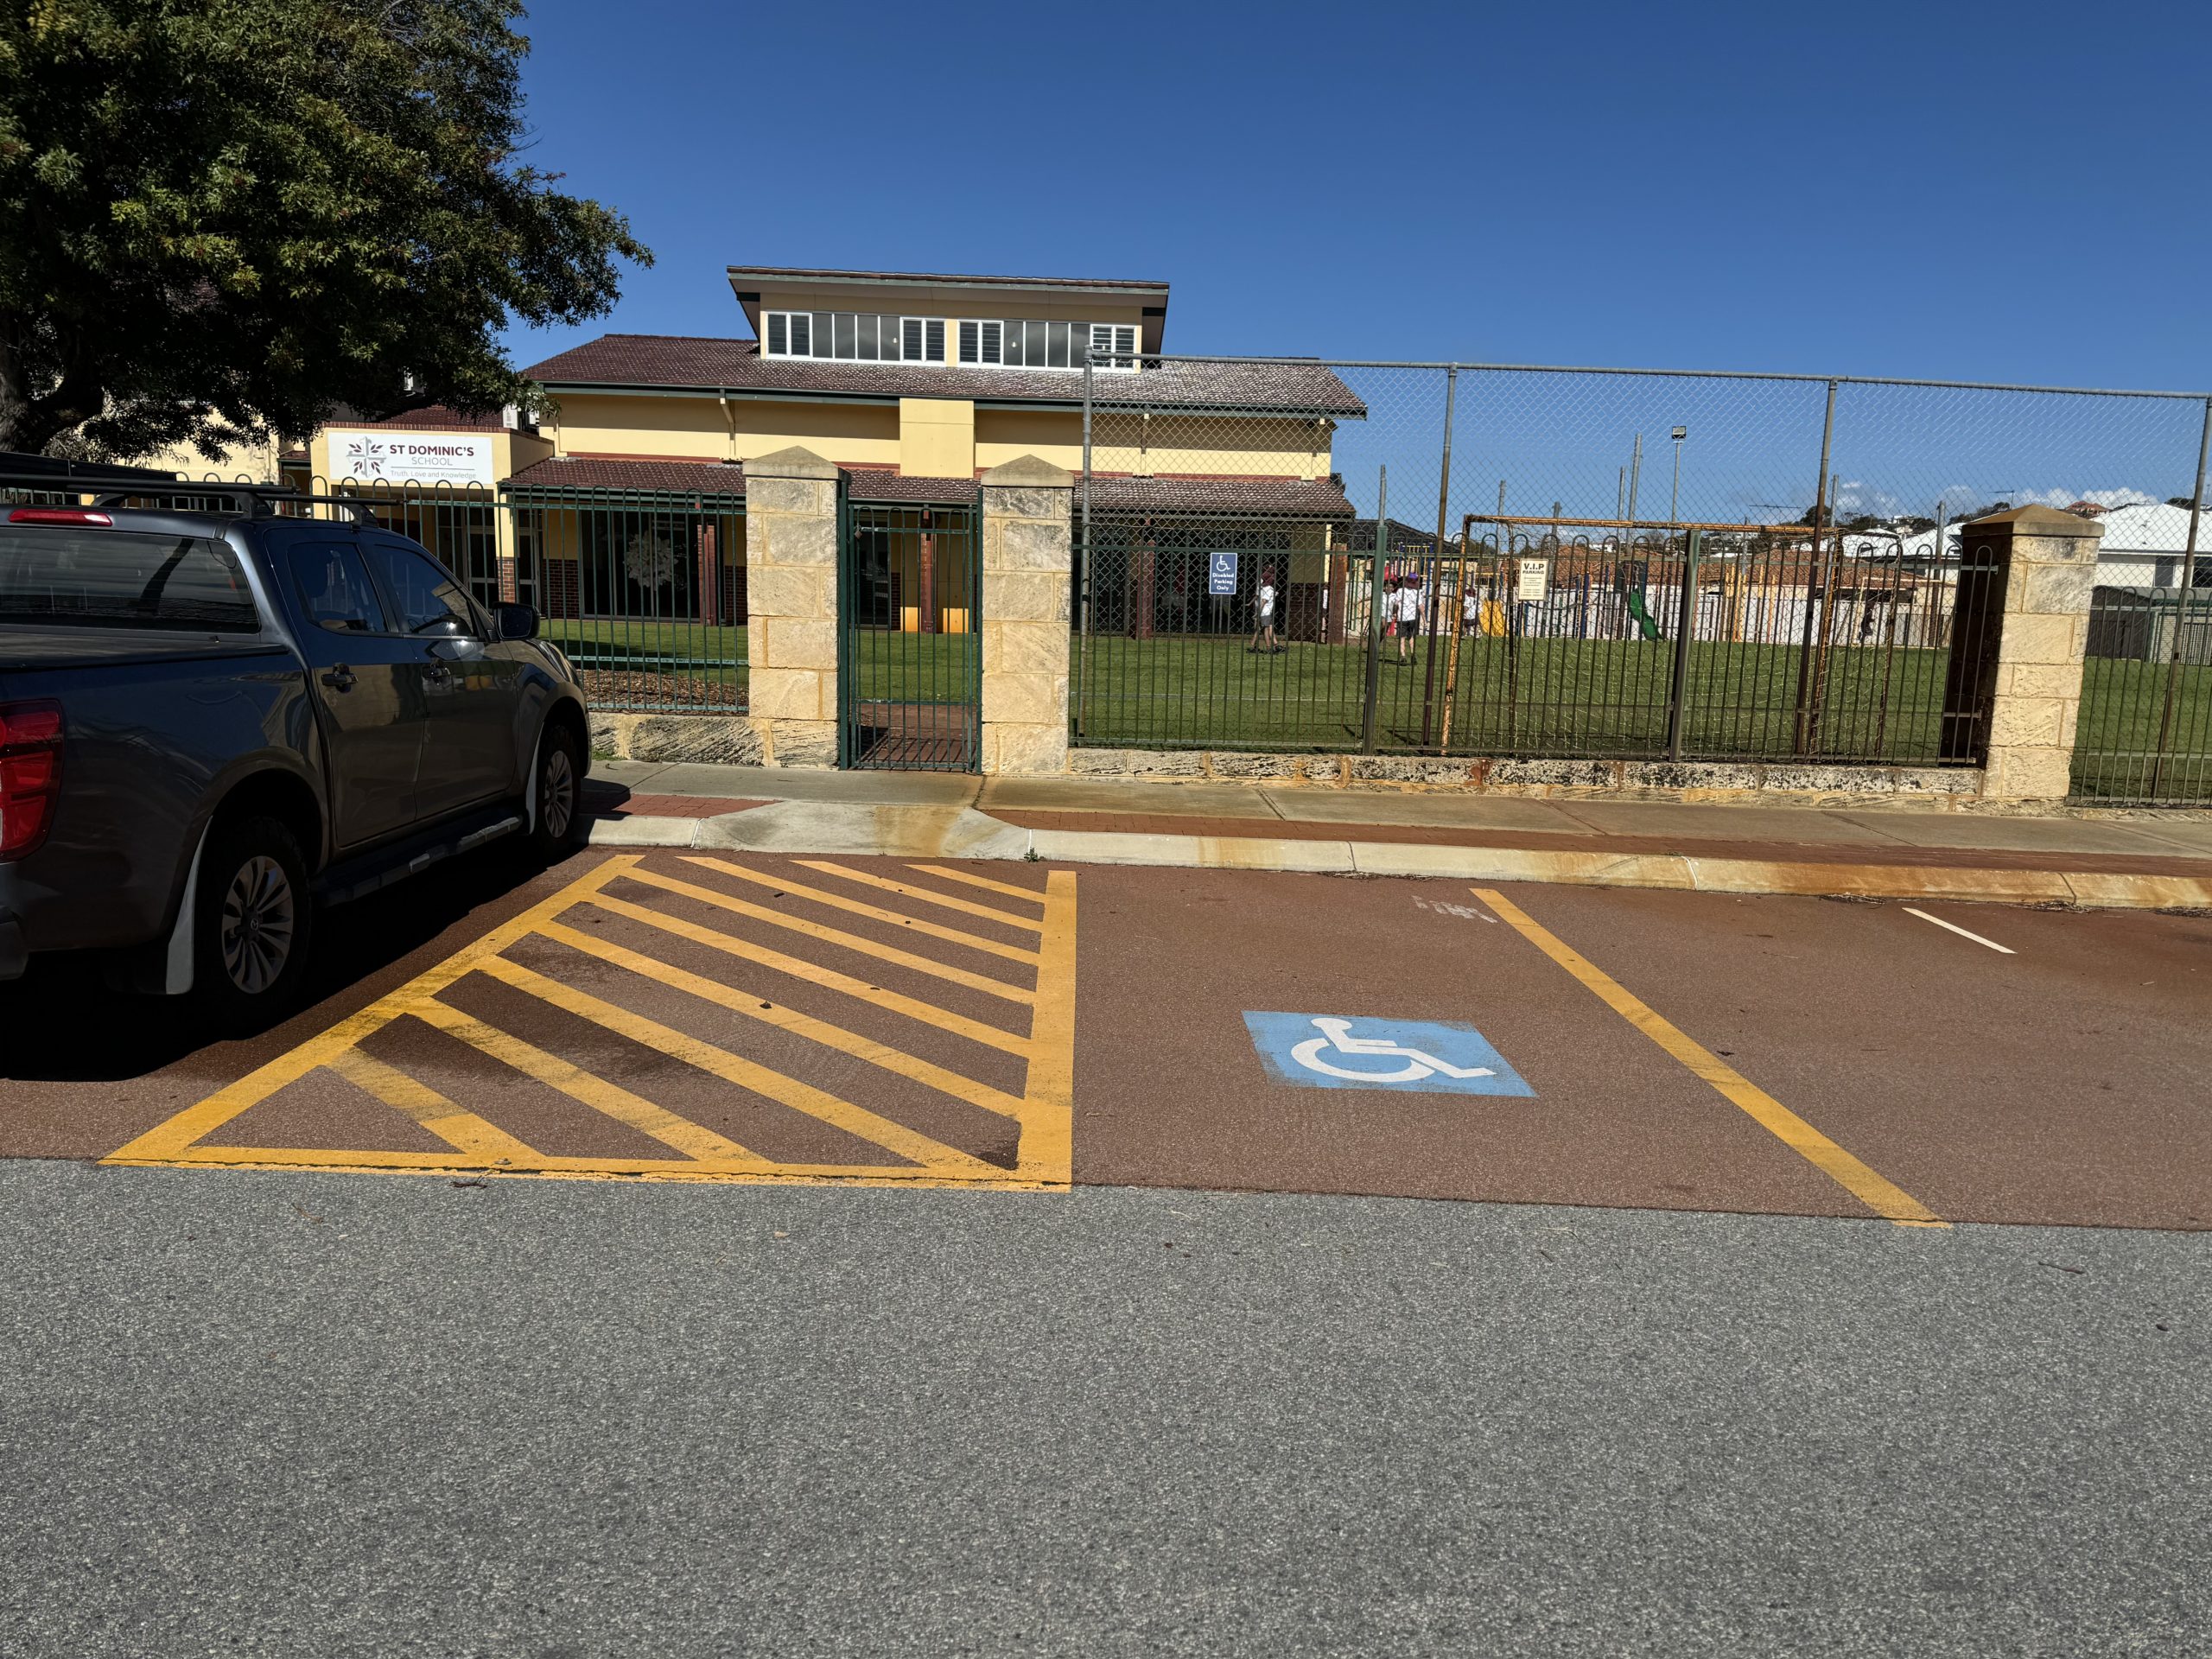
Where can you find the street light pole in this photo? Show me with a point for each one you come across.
(1674, 501)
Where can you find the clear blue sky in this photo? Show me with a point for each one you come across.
(1973, 191)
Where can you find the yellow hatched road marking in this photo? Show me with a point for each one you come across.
(737, 1000)
(838, 901)
(174, 1135)
(856, 1120)
(1877, 1192)
(1006, 887)
(462, 1130)
(1043, 1108)
(1048, 1105)
(833, 936)
(690, 1139)
(965, 906)
(944, 1019)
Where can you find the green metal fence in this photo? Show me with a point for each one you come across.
(643, 591)
(909, 657)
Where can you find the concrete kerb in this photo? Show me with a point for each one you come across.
(816, 827)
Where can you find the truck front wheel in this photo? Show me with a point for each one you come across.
(255, 918)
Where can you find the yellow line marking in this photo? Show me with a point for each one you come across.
(738, 1000)
(974, 1030)
(174, 1135)
(1878, 1193)
(690, 1139)
(586, 1168)
(965, 906)
(1048, 1119)
(462, 1130)
(731, 1068)
(833, 936)
(951, 935)
(1007, 888)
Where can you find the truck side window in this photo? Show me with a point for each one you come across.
(335, 588)
(428, 601)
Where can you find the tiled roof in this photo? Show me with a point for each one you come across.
(925, 277)
(438, 418)
(1270, 497)
(708, 365)
(1242, 496)
(673, 477)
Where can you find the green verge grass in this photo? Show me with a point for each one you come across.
(1534, 696)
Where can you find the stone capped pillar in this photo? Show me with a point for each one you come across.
(791, 596)
(2017, 632)
(1029, 558)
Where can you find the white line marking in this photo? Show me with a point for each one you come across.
(2002, 949)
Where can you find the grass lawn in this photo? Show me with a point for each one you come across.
(1541, 698)
(1591, 697)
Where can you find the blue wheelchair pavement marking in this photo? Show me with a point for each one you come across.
(1422, 1057)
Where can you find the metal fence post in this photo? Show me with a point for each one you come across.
(1083, 633)
(1436, 587)
(1685, 626)
(1375, 607)
(2181, 608)
(1805, 647)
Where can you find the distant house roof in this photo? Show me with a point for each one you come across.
(2136, 527)
(706, 365)
(1404, 537)
(1253, 498)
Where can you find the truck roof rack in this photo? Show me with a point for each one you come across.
(117, 487)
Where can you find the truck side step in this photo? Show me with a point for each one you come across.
(371, 872)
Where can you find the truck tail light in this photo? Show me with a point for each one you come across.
(30, 773)
(60, 515)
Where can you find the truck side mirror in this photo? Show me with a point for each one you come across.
(516, 621)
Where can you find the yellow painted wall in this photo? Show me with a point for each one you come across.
(1208, 446)
(254, 463)
(936, 437)
(852, 435)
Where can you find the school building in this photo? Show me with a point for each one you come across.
(916, 386)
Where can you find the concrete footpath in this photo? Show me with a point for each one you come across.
(2110, 859)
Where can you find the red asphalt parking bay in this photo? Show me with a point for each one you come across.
(727, 1016)
(2066, 1082)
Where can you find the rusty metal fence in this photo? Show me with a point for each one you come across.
(1282, 554)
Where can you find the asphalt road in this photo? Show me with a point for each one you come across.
(1249, 1375)
(285, 1413)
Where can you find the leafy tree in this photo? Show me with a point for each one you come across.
(225, 216)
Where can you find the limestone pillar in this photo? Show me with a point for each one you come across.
(790, 588)
(1027, 561)
(2017, 632)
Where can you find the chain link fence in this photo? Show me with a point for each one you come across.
(1435, 559)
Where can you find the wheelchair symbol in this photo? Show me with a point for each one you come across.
(1336, 1037)
(1429, 1056)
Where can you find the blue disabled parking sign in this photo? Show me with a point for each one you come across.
(1428, 1057)
(1221, 574)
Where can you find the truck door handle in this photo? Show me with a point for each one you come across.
(437, 673)
(339, 680)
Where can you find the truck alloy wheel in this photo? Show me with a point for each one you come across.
(260, 915)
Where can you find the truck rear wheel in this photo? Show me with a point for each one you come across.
(256, 916)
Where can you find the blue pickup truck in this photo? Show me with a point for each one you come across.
(213, 721)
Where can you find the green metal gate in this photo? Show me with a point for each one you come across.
(909, 652)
